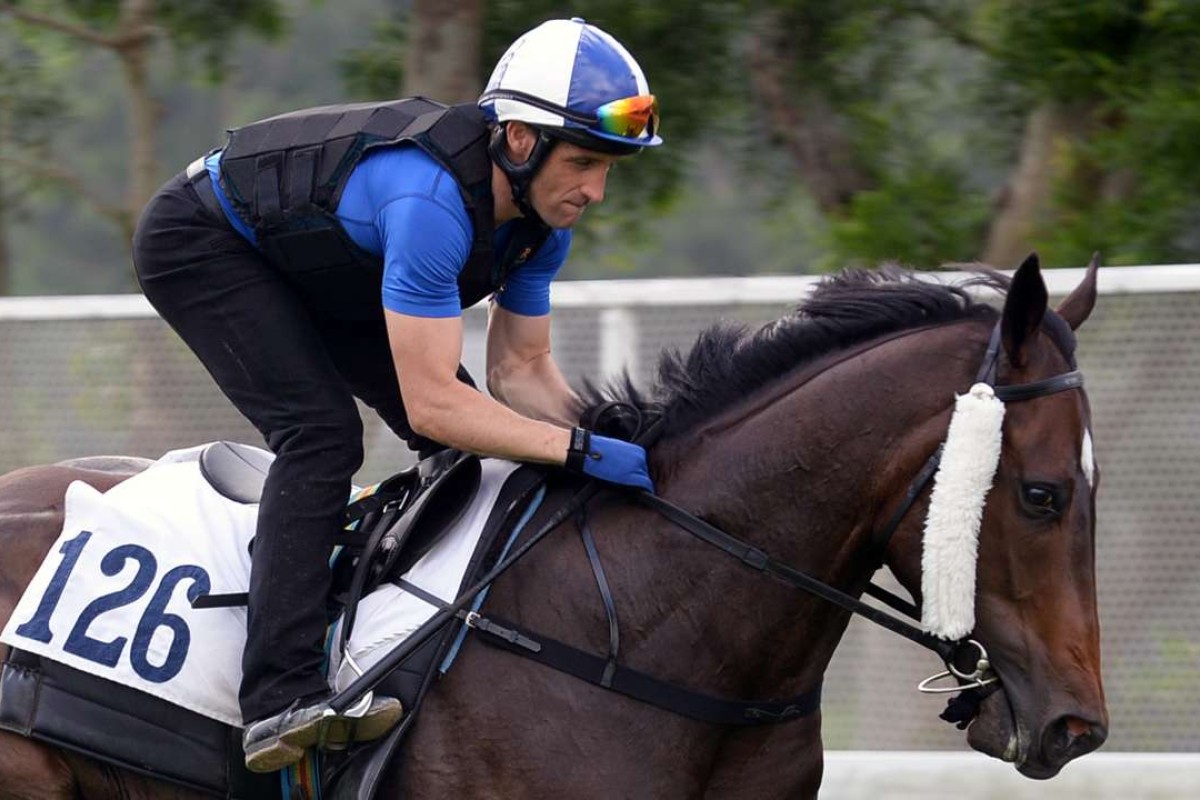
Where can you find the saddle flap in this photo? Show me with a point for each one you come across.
(393, 547)
(431, 516)
(362, 775)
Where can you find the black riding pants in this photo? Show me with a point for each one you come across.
(293, 368)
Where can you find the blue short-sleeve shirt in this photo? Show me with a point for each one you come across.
(403, 206)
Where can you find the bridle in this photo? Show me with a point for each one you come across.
(605, 672)
(951, 652)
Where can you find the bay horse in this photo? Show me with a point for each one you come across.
(803, 439)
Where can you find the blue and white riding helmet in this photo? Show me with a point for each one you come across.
(571, 81)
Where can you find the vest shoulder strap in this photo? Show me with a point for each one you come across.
(457, 139)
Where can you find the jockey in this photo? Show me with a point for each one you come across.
(327, 254)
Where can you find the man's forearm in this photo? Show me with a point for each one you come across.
(536, 389)
(465, 419)
(442, 408)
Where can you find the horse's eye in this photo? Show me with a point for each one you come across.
(1041, 500)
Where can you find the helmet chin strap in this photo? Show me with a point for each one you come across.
(520, 176)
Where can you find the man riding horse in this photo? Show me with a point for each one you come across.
(270, 258)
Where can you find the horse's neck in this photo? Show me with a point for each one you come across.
(807, 476)
(804, 472)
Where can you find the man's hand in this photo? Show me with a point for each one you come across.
(609, 460)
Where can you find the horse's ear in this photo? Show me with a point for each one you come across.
(1079, 303)
(1023, 310)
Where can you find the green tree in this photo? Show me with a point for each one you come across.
(28, 113)
(986, 128)
(1077, 126)
(131, 30)
(864, 105)
(1113, 141)
(798, 132)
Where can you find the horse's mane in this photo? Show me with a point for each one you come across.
(729, 360)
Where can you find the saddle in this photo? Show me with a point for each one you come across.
(391, 528)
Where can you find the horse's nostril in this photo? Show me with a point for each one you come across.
(1071, 737)
(1077, 727)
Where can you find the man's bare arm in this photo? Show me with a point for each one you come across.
(522, 373)
(426, 353)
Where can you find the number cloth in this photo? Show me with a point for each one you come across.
(88, 614)
(113, 596)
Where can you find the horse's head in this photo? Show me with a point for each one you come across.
(1035, 600)
(827, 416)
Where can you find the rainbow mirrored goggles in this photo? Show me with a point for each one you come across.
(629, 117)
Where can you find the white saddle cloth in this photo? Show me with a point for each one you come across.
(113, 596)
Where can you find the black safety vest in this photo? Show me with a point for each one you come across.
(284, 176)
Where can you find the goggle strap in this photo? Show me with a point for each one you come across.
(537, 102)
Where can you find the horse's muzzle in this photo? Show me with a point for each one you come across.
(1066, 738)
(997, 733)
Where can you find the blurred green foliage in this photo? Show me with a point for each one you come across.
(202, 27)
(924, 214)
(29, 111)
(1131, 66)
(376, 70)
(930, 100)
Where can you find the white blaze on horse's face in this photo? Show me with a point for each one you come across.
(1088, 459)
